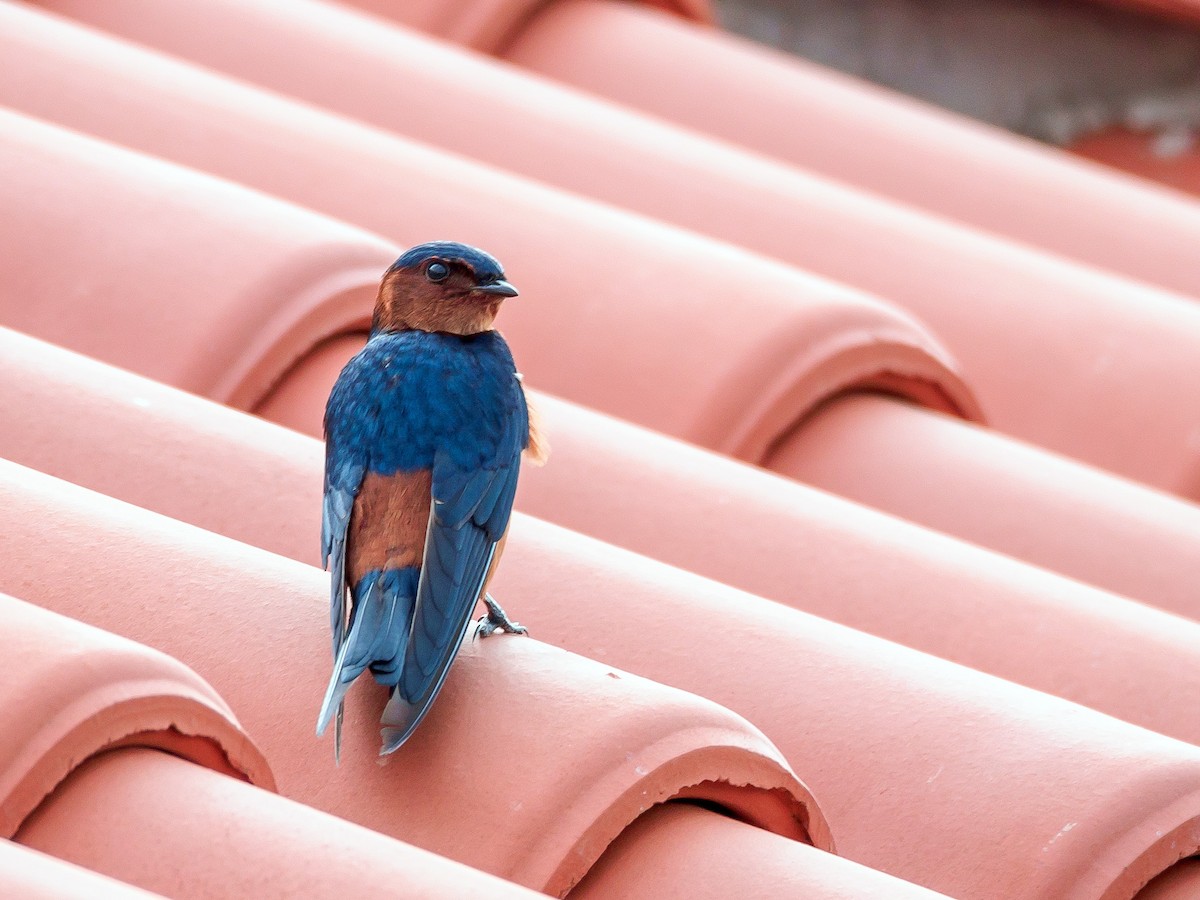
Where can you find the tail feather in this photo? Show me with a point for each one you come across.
(377, 639)
(339, 683)
(439, 633)
(402, 716)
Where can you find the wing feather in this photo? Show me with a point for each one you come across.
(427, 401)
(458, 555)
(343, 477)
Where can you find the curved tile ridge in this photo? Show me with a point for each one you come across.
(651, 494)
(228, 287)
(31, 875)
(531, 762)
(902, 737)
(885, 736)
(1180, 882)
(711, 353)
(1094, 349)
(866, 135)
(186, 832)
(817, 552)
(1002, 494)
(489, 24)
(633, 744)
(123, 435)
(72, 691)
(718, 858)
(1067, 354)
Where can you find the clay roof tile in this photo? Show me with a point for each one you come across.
(184, 831)
(798, 339)
(939, 722)
(35, 876)
(1089, 343)
(632, 743)
(926, 770)
(71, 691)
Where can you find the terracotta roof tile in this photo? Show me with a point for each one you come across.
(182, 830)
(222, 286)
(71, 692)
(926, 770)
(864, 135)
(799, 338)
(79, 701)
(1004, 495)
(35, 876)
(862, 691)
(1100, 356)
(674, 845)
(541, 829)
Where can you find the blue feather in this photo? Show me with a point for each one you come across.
(413, 401)
(485, 266)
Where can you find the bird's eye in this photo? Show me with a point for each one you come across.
(437, 271)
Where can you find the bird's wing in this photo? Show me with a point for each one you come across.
(469, 514)
(344, 468)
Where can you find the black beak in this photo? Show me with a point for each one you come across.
(500, 287)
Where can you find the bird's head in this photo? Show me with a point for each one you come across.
(441, 286)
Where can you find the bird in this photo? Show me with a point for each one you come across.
(425, 428)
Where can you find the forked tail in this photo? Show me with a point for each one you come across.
(378, 640)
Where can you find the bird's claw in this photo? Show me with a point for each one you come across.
(497, 620)
(487, 627)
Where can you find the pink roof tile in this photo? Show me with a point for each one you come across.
(1089, 344)
(78, 700)
(1004, 495)
(184, 831)
(118, 433)
(865, 693)
(798, 339)
(861, 134)
(678, 851)
(190, 826)
(71, 691)
(573, 796)
(31, 875)
(286, 276)
(918, 763)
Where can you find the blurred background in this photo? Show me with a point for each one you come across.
(1118, 82)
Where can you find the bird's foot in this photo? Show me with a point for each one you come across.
(497, 620)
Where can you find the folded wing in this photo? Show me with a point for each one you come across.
(470, 512)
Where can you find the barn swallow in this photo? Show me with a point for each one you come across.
(424, 432)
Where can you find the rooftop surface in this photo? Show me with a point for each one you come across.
(863, 563)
